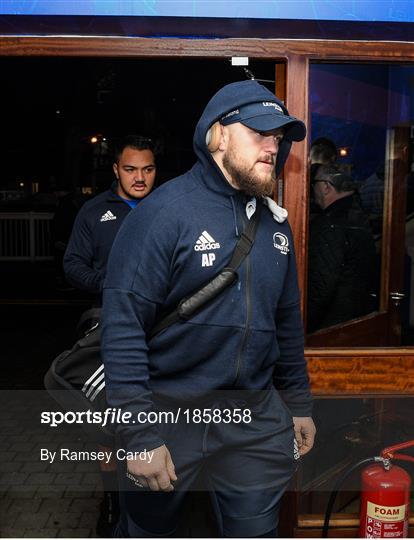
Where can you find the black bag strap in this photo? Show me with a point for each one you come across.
(246, 240)
(197, 301)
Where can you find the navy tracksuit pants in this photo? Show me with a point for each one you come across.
(246, 467)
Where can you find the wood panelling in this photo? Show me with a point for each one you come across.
(280, 77)
(368, 331)
(341, 526)
(361, 372)
(341, 532)
(296, 185)
(337, 520)
(207, 48)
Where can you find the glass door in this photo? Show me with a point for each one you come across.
(361, 205)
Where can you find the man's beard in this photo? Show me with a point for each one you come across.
(246, 180)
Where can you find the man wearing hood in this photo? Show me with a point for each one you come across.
(234, 375)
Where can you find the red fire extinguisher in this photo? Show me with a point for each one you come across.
(385, 496)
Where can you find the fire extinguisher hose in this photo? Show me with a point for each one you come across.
(337, 486)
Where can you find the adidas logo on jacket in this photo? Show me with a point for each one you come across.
(107, 216)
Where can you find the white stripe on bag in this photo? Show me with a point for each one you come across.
(95, 374)
(97, 391)
(94, 384)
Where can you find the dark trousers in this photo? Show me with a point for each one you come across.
(246, 468)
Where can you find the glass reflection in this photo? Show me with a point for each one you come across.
(341, 251)
(361, 173)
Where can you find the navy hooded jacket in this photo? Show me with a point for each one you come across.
(91, 240)
(249, 337)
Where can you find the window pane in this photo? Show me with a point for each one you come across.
(360, 172)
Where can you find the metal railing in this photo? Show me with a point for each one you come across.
(25, 236)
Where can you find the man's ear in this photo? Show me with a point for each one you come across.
(213, 137)
(115, 169)
(224, 137)
(327, 187)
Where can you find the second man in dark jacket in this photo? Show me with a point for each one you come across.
(99, 220)
(341, 253)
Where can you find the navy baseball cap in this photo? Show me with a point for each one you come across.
(265, 116)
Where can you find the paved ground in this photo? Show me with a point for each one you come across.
(38, 499)
(60, 499)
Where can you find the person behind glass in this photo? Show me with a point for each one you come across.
(322, 152)
(86, 257)
(245, 349)
(99, 220)
(342, 255)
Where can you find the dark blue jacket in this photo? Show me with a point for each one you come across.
(250, 337)
(91, 240)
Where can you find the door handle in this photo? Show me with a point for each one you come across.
(397, 297)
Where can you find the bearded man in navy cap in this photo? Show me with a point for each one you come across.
(233, 376)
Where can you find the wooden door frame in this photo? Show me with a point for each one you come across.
(295, 52)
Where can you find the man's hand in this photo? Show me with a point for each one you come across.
(304, 433)
(156, 475)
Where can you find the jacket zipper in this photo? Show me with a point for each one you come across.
(248, 318)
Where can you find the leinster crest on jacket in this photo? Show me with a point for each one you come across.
(281, 242)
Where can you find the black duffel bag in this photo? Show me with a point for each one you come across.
(76, 380)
